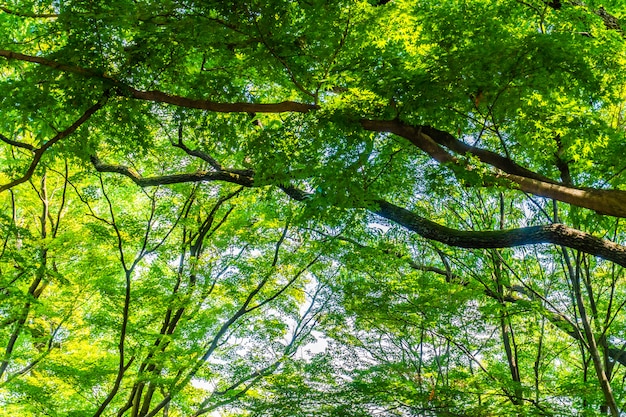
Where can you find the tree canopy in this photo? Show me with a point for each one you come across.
(312, 207)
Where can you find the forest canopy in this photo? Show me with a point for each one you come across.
(312, 207)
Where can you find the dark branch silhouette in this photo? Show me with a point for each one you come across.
(557, 234)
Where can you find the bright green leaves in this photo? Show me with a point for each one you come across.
(205, 292)
(215, 294)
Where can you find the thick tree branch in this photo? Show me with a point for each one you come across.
(557, 234)
(432, 141)
(162, 97)
(610, 21)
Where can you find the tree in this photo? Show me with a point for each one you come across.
(192, 190)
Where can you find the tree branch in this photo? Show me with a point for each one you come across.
(125, 90)
(17, 144)
(198, 176)
(432, 141)
(38, 153)
(30, 15)
(161, 97)
(558, 234)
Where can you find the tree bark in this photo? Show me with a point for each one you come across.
(433, 141)
(558, 234)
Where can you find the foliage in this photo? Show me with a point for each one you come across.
(295, 208)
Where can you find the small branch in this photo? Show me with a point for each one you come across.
(17, 144)
(215, 342)
(198, 176)
(282, 61)
(60, 136)
(247, 381)
(287, 285)
(31, 15)
(193, 152)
